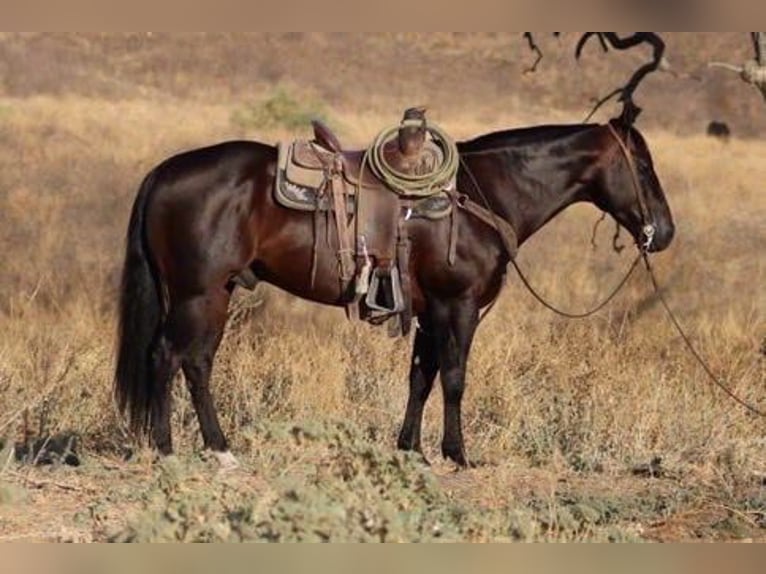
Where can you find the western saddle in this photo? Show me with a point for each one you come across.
(371, 194)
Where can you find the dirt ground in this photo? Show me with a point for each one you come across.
(103, 501)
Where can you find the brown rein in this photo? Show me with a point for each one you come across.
(648, 231)
(650, 271)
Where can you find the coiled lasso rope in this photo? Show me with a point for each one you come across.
(410, 184)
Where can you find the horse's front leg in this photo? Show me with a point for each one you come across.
(455, 323)
(423, 369)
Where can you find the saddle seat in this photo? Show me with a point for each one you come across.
(316, 156)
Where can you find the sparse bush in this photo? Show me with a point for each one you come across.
(279, 110)
(357, 491)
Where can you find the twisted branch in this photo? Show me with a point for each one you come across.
(759, 46)
(536, 49)
(630, 110)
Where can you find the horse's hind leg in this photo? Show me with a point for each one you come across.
(204, 318)
(165, 364)
(188, 340)
(423, 369)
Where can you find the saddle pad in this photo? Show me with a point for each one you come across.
(298, 187)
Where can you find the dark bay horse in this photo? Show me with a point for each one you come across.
(203, 217)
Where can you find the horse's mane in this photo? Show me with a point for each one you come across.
(520, 136)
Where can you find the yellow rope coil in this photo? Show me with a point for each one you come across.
(409, 184)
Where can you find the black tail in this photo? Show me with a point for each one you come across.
(140, 316)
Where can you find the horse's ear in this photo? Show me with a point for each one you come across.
(619, 126)
(627, 118)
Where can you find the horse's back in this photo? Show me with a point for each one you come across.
(221, 159)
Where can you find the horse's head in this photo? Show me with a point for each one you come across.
(630, 191)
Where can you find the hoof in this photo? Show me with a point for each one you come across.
(414, 449)
(419, 457)
(226, 460)
(456, 455)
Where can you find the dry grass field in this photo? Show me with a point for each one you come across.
(600, 429)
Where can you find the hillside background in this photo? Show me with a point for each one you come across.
(387, 72)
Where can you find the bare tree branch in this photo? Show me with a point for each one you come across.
(753, 71)
(759, 46)
(630, 110)
(584, 39)
(536, 49)
(725, 66)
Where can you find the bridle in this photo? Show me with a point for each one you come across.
(648, 228)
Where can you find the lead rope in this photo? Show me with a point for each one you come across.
(650, 271)
(690, 346)
(596, 309)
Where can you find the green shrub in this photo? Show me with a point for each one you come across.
(279, 110)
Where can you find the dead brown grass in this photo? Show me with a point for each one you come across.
(548, 400)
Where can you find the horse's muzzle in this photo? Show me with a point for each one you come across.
(661, 236)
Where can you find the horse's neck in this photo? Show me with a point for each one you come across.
(541, 208)
(529, 198)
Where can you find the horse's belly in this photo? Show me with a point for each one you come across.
(293, 273)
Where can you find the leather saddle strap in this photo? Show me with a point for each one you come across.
(503, 228)
(403, 263)
(452, 250)
(345, 253)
